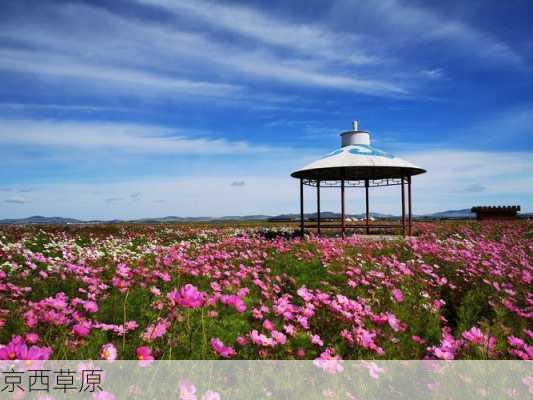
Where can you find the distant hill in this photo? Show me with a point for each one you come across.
(40, 220)
(37, 219)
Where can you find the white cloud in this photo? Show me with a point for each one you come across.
(17, 200)
(505, 177)
(238, 183)
(168, 59)
(272, 30)
(435, 73)
(118, 136)
(43, 63)
(404, 22)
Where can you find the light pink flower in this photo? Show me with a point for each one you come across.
(330, 363)
(108, 352)
(210, 395)
(187, 390)
(373, 369)
(103, 395)
(223, 351)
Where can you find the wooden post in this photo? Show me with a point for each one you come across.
(403, 205)
(410, 203)
(318, 206)
(302, 207)
(366, 204)
(343, 227)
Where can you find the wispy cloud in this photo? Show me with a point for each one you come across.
(238, 183)
(404, 22)
(113, 199)
(435, 73)
(318, 58)
(44, 63)
(18, 200)
(118, 136)
(474, 188)
(271, 29)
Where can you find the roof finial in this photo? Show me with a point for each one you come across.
(354, 125)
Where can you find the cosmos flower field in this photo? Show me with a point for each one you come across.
(455, 290)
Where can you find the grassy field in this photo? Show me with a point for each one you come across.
(457, 290)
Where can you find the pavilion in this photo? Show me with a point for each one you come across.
(359, 165)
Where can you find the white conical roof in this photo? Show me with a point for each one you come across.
(356, 160)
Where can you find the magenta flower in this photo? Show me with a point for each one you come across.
(9, 351)
(474, 335)
(144, 355)
(398, 295)
(223, 351)
(90, 306)
(188, 296)
(82, 329)
(18, 350)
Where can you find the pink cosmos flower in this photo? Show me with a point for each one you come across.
(394, 323)
(16, 349)
(373, 369)
(514, 341)
(234, 301)
(187, 390)
(108, 352)
(156, 331)
(260, 339)
(328, 362)
(210, 395)
(144, 355)
(242, 341)
(33, 353)
(279, 337)
(528, 381)
(398, 295)
(82, 329)
(31, 338)
(474, 335)
(268, 325)
(103, 395)
(90, 306)
(315, 339)
(188, 296)
(223, 351)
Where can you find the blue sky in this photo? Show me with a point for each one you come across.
(130, 109)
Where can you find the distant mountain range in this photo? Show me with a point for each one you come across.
(34, 220)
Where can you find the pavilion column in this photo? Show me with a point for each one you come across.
(301, 207)
(343, 216)
(366, 207)
(410, 203)
(318, 206)
(403, 205)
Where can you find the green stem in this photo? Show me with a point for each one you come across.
(125, 315)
